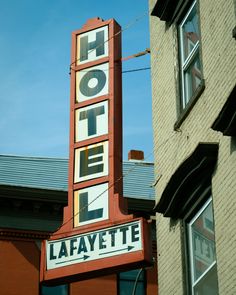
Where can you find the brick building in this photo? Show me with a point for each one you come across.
(33, 192)
(193, 61)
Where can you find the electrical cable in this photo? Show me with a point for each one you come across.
(136, 281)
(136, 70)
(123, 72)
(111, 185)
(113, 36)
(154, 150)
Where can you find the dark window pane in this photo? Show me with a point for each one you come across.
(57, 290)
(127, 282)
(127, 287)
(132, 275)
(208, 284)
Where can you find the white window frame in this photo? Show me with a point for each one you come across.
(184, 64)
(191, 247)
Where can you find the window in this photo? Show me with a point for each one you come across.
(56, 290)
(132, 282)
(202, 254)
(190, 64)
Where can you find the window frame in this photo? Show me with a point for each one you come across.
(185, 63)
(190, 218)
(183, 109)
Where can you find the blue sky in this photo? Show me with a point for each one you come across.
(35, 43)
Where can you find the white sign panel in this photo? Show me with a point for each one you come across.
(91, 204)
(91, 121)
(92, 45)
(91, 162)
(92, 82)
(112, 241)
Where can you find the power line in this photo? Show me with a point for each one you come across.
(113, 36)
(154, 149)
(136, 70)
(116, 181)
(126, 71)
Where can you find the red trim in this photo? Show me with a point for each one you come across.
(13, 234)
(91, 101)
(90, 182)
(90, 64)
(117, 206)
(94, 140)
(99, 267)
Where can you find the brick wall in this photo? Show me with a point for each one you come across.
(171, 148)
(19, 267)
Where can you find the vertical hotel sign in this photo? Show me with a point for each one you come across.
(97, 236)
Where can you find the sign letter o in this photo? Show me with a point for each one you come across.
(84, 87)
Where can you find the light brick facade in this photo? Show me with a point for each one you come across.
(172, 145)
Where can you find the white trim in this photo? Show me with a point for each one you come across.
(187, 14)
(190, 57)
(203, 274)
(190, 250)
(184, 64)
(200, 211)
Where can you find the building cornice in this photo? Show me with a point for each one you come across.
(188, 179)
(167, 10)
(13, 234)
(226, 120)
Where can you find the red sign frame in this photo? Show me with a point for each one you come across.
(117, 207)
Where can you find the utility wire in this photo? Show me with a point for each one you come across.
(125, 71)
(136, 281)
(137, 19)
(154, 149)
(134, 70)
(139, 54)
(116, 181)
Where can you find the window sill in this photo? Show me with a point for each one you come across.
(184, 113)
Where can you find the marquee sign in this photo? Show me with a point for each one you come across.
(94, 245)
(97, 235)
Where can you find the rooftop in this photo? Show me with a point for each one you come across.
(52, 174)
